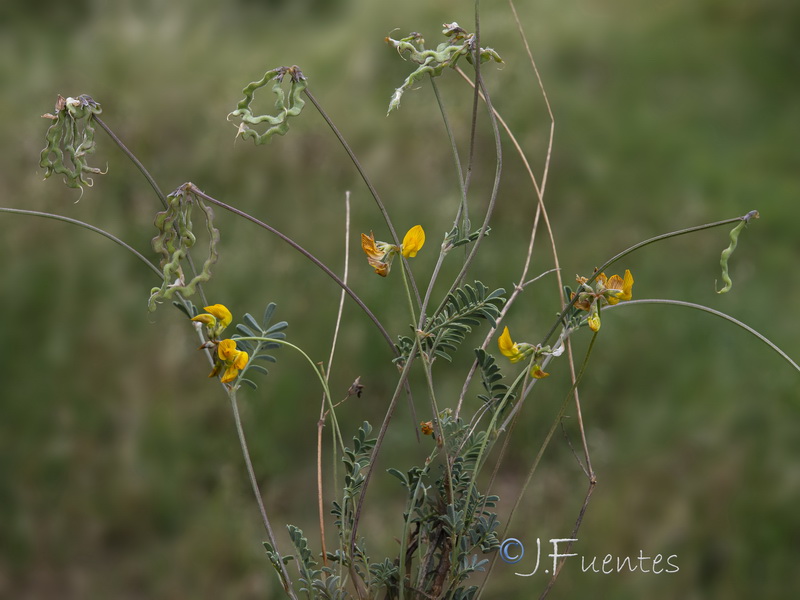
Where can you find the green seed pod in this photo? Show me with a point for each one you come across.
(174, 241)
(433, 62)
(726, 254)
(71, 137)
(285, 107)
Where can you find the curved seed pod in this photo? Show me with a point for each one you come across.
(70, 140)
(433, 62)
(175, 240)
(285, 107)
(726, 254)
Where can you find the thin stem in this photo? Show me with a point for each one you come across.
(287, 582)
(308, 255)
(716, 313)
(473, 129)
(132, 157)
(321, 422)
(106, 234)
(364, 176)
(489, 208)
(401, 382)
(426, 362)
(318, 371)
(462, 214)
(545, 443)
(573, 535)
(357, 165)
(633, 248)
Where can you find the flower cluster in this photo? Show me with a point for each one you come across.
(607, 290)
(228, 359)
(381, 254)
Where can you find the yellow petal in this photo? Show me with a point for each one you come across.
(240, 361)
(594, 321)
(227, 350)
(426, 427)
(538, 373)
(221, 313)
(206, 319)
(368, 245)
(627, 286)
(614, 287)
(381, 267)
(507, 346)
(229, 374)
(413, 241)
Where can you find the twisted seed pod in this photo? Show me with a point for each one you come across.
(433, 62)
(285, 108)
(726, 254)
(174, 241)
(71, 137)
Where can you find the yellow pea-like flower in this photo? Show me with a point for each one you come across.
(508, 347)
(221, 312)
(413, 241)
(621, 289)
(216, 318)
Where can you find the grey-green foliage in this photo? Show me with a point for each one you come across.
(70, 140)
(433, 62)
(257, 349)
(450, 520)
(175, 240)
(309, 572)
(286, 107)
(277, 561)
(491, 378)
(356, 460)
(463, 309)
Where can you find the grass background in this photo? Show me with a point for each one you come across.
(120, 474)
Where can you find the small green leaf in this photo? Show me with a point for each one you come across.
(251, 322)
(249, 383)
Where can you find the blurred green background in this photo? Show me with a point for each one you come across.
(120, 472)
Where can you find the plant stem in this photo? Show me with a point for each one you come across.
(308, 255)
(287, 582)
(319, 372)
(321, 422)
(716, 313)
(633, 248)
(366, 179)
(132, 157)
(102, 232)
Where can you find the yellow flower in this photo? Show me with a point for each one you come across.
(237, 364)
(606, 291)
(226, 350)
(537, 372)
(218, 317)
(509, 348)
(381, 254)
(594, 319)
(617, 288)
(221, 312)
(232, 359)
(426, 427)
(413, 241)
